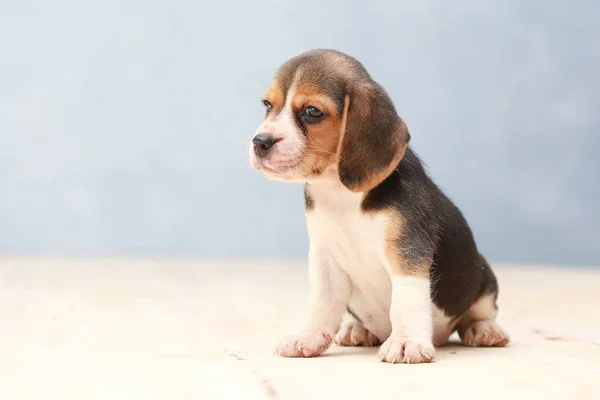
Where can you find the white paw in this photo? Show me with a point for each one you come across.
(304, 345)
(352, 333)
(406, 350)
(485, 333)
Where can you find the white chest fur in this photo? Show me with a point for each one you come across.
(355, 242)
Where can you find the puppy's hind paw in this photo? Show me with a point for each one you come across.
(353, 333)
(485, 333)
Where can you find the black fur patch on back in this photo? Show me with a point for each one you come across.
(434, 228)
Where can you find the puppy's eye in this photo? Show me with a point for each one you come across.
(312, 113)
(268, 104)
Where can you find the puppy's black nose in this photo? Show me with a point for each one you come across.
(263, 142)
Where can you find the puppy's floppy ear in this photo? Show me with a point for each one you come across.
(373, 138)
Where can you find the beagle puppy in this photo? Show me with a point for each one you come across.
(392, 260)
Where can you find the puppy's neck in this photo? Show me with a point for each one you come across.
(328, 191)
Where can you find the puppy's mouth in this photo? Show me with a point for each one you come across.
(285, 170)
(280, 167)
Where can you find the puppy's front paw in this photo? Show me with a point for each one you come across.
(304, 345)
(405, 350)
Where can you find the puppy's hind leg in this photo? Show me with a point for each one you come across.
(478, 327)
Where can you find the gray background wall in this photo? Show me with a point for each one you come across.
(124, 124)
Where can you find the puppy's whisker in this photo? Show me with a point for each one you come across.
(323, 151)
(256, 79)
(318, 157)
(311, 145)
(253, 97)
(320, 150)
(244, 154)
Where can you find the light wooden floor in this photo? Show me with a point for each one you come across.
(133, 329)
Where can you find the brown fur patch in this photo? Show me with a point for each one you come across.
(307, 96)
(484, 307)
(322, 138)
(398, 261)
(275, 95)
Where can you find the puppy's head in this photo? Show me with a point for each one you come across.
(324, 113)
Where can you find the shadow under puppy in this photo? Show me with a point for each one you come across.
(392, 260)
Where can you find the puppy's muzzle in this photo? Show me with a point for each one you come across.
(263, 143)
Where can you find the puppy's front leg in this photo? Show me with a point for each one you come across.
(329, 294)
(412, 324)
